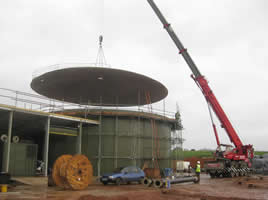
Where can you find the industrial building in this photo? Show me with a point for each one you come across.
(26, 131)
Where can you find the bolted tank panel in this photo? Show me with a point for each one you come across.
(59, 145)
(121, 141)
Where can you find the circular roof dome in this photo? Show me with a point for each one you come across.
(98, 86)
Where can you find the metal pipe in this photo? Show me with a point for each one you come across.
(147, 181)
(183, 180)
(158, 183)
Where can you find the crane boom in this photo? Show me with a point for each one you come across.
(176, 40)
(241, 150)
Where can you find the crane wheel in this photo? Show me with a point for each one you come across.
(72, 172)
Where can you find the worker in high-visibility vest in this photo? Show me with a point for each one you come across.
(197, 171)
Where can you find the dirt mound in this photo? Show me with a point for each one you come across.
(193, 161)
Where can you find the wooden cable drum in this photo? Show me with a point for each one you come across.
(72, 172)
(57, 170)
(79, 172)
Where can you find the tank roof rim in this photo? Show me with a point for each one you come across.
(107, 81)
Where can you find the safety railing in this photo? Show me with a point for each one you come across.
(41, 103)
(44, 70)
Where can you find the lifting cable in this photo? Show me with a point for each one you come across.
(101, 60)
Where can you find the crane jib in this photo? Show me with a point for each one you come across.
(172, 34)
(203, 84)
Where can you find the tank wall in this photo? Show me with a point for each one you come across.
(59, 145)
(125, 141)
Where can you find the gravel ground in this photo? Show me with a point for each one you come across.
(208, 189)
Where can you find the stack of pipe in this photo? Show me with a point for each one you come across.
(260, 164)
(160, 183)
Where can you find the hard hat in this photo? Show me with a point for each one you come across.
(198, 162)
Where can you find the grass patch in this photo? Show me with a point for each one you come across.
(202, 154)
(260, 153)
(190, 154)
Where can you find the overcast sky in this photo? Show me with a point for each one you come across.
(227, 39)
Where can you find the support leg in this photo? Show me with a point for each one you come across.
(79, 139)
(46, 146)
(7, 156)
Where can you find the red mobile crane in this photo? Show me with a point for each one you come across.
(231, 161)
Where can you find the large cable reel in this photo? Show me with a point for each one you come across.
(72, 172)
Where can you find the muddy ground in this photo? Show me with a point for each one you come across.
(207, 189)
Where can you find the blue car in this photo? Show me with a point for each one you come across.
(123, 175)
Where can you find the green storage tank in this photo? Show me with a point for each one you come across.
(126, 138)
